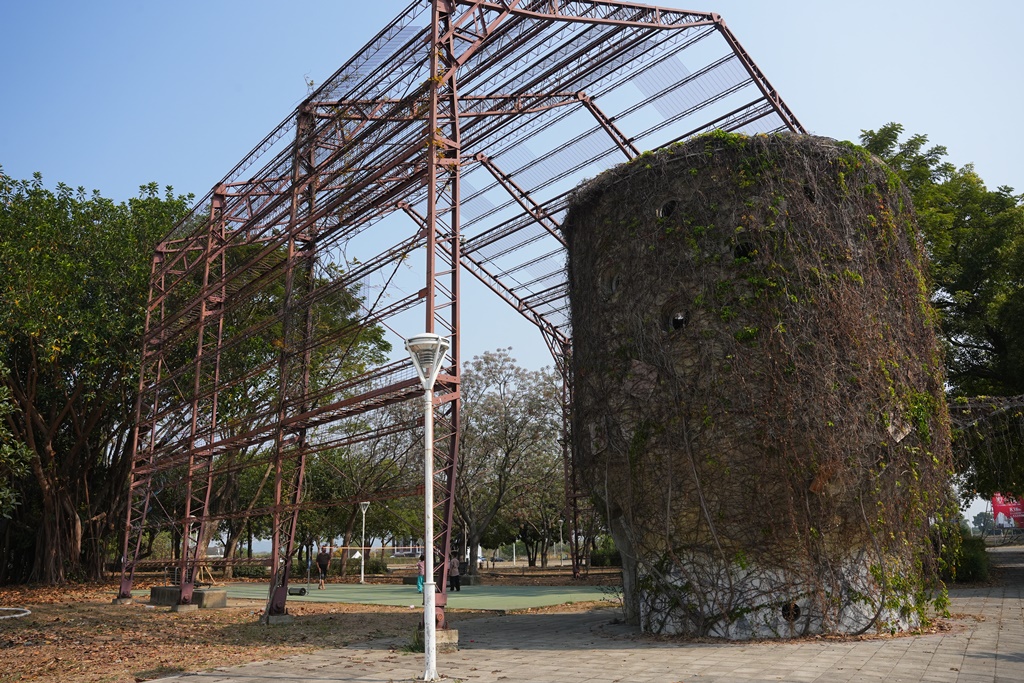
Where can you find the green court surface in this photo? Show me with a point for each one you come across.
(491, 597)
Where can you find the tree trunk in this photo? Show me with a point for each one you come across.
(474, 544)
(531, 552)
(5, 550)
(230, 547)
(206, 537)
(346, 539)
(347, 543)
(59, 538)
(95, 557)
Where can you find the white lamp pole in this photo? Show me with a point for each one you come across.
(362, 556)
(427, 351)
(561, 544)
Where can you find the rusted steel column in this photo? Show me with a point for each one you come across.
(140, 489)
(198, 457)
(202, 471)
(573, 489)
(443, 284)
(290, 441)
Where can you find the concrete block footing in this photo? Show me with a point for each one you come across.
(276, 619)
(164, 595)
(184, 608)
(445, 639)
(205, 598)
(211, 598)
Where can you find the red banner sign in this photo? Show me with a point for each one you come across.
(1008, 512)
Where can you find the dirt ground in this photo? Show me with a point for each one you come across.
(75, 633)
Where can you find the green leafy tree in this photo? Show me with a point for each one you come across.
(511, 420)
(75, 275)
(975, 241)
(539, 509)
(983, 521)
(14, 457)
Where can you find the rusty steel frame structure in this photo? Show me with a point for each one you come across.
(456, 133)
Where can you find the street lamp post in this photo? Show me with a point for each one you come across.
(362, 556)
(427, 351)
(561, 543)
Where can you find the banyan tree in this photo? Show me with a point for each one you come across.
(758, 391)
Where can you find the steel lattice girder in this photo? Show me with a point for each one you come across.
(460, 129)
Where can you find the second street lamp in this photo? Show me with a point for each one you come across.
(362, 555)
(427, 351)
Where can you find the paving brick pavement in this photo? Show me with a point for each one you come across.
(986, 644)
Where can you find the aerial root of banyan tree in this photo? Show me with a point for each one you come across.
(758, 391)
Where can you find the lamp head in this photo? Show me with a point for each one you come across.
(427, 351)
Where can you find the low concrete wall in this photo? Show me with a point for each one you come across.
(204, 598)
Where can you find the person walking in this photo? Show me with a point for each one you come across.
(323, 563)
(421, 572)
(454, 582)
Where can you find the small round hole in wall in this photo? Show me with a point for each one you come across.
(744, 250)
(809, 192)
(676, 314)
(668, 208)
(791, 612)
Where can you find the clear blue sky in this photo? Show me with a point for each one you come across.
(113, 94)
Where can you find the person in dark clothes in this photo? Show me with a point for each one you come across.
(323, 561)
(454, 582)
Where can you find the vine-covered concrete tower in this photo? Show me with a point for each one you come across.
(758, 391)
